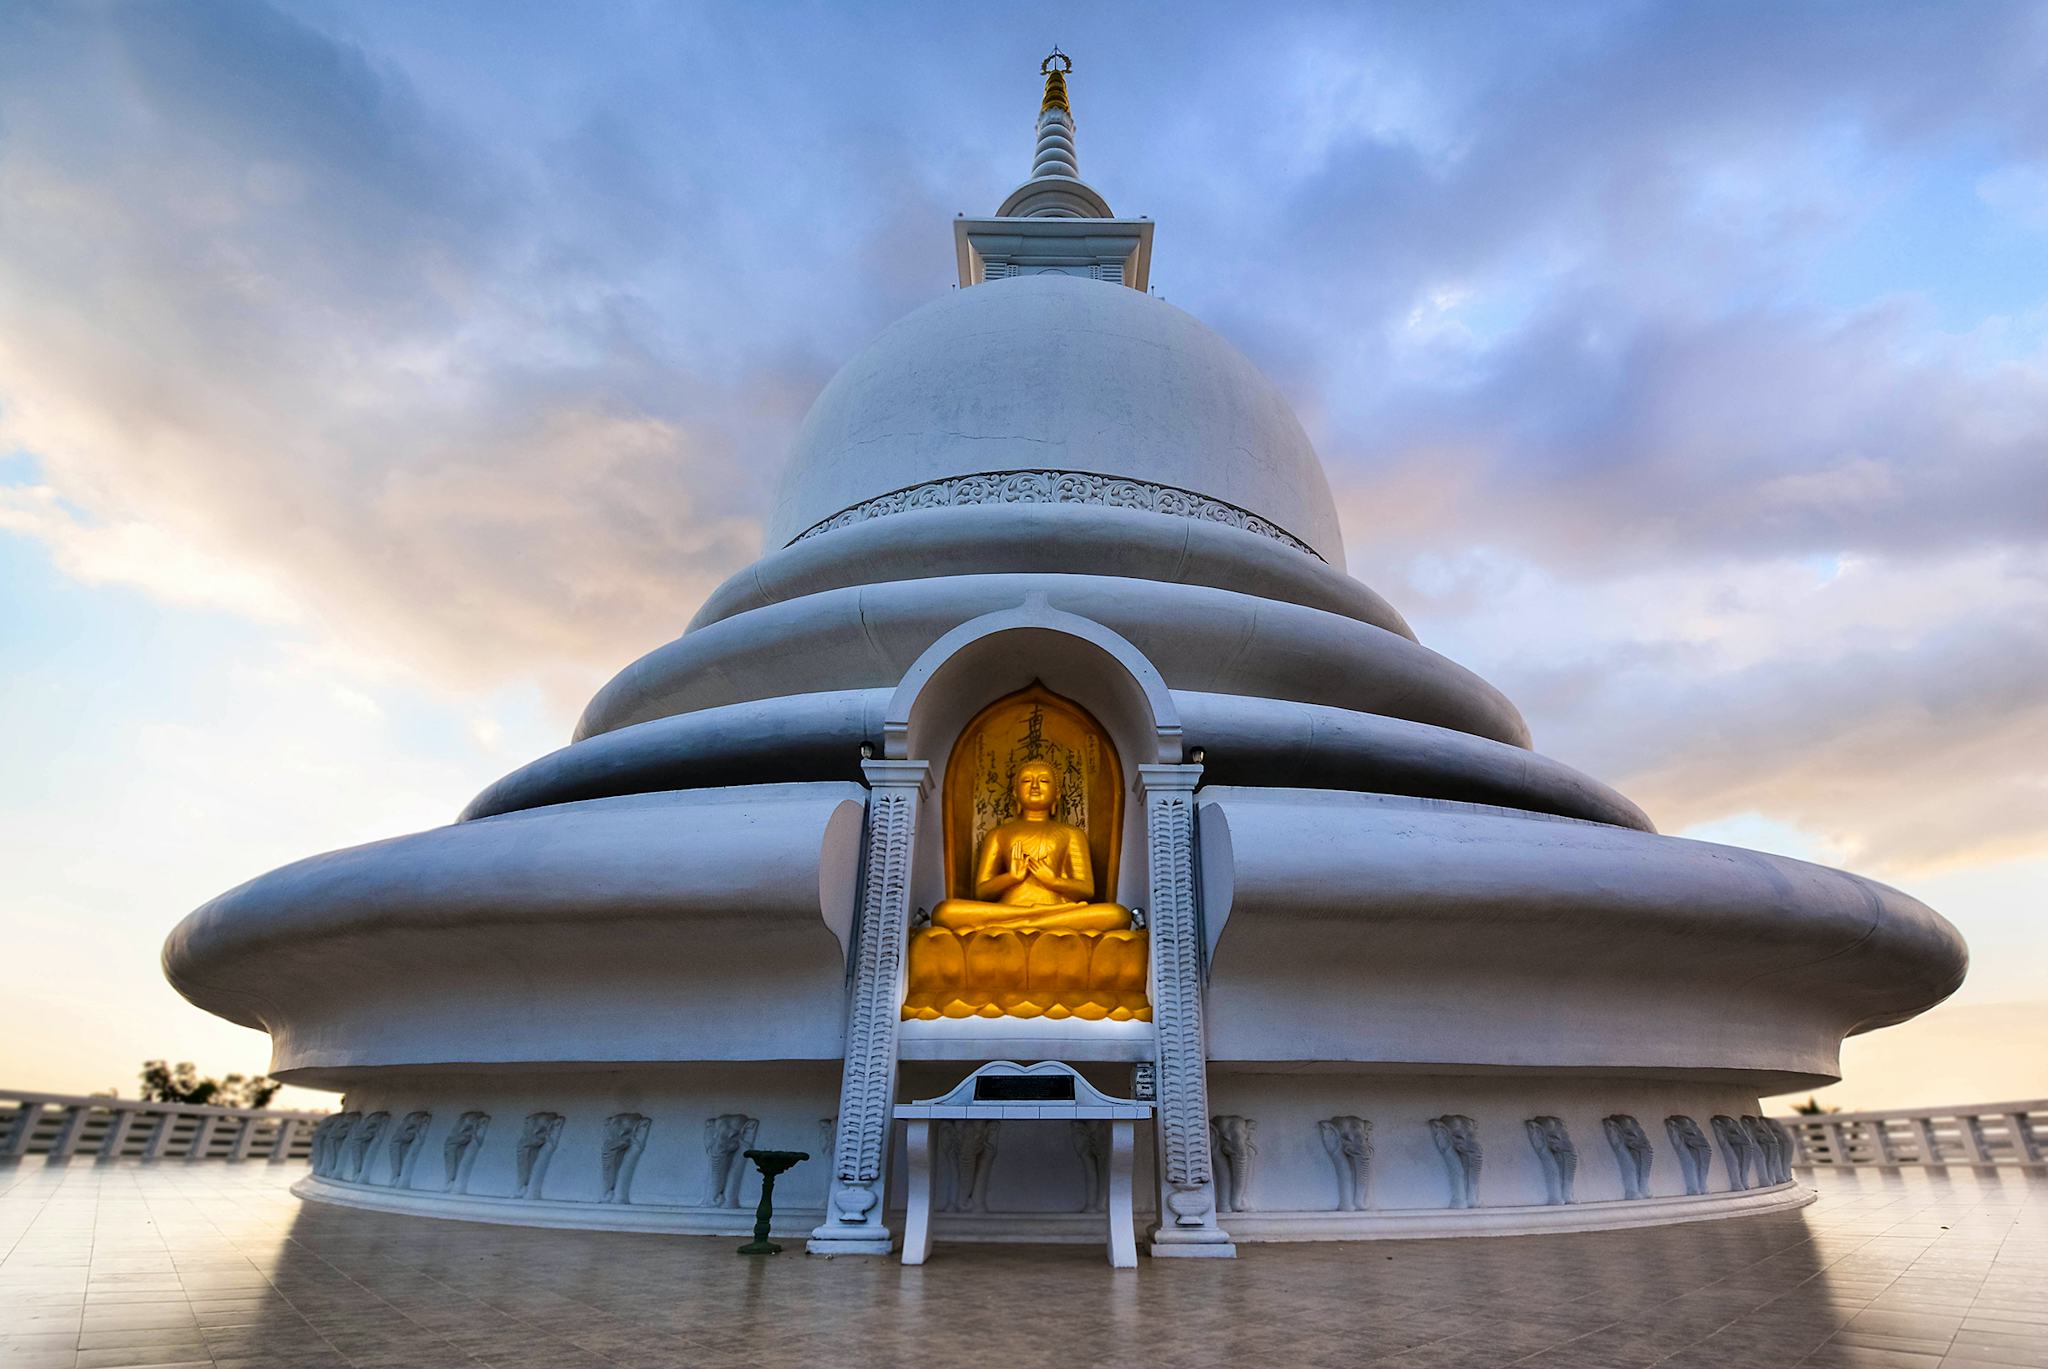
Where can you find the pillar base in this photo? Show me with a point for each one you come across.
(1185, 1243)
(867, 1240)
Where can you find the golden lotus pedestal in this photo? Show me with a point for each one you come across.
(1005, 972)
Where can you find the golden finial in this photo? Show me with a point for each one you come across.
(1055, 69)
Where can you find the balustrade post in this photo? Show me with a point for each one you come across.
(1930, 1144)
(116, 1138)
(203, 1137)
(1839, 1131)
(68, 1135)
(281, 1148)
(2025, 1144)
(1980, 1144)
(26, 1117)
(245, 1139)
(160, 1134)
(1880, 1131)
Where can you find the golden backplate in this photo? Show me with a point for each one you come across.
(1031, 725)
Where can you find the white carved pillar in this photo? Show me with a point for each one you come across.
(1187, 1187)
(867, 1093)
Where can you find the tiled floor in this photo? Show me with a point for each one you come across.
(219, 1264)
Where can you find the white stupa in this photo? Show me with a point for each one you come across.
(1290, 880)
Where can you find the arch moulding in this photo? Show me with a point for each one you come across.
(999, 653)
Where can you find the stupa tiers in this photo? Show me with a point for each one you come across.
(1052, 729)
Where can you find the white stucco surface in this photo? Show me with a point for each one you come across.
(1051, 372)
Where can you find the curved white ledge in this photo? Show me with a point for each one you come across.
(1420, 934)
(674, 1219)
(699, 926)
(1047, 539)
(1246, 741)
(1420, 1223)
(1199, 638)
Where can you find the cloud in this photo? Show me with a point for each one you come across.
(283, 339)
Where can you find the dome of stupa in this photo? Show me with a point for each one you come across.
(1052, 372)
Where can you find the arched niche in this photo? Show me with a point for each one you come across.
(989, 658)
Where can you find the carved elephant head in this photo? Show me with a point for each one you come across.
(1457, 1134)
(1550, 1134)
(1233, 1134)
(729, 1133)
(1349, 1136)
(1626, 1132)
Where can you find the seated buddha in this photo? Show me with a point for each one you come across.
(1033, 871)
(1033, 941)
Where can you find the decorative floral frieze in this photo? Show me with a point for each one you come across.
(1055, 487)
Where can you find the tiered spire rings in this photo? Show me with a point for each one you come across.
(1055, 154)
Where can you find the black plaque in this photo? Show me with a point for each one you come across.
(1024, 1088)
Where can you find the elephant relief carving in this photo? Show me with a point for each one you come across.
(362, 1138)
(1772, 1165)
(330, 1139)
(1738, 1152)
(1559, 1158)
(459, 1151)
(405, 1144)
(1235, 1148)
(536, 1147)
(1695, 1156)
(1090, 1139)
(1349, 1143)
(726, 1137)
(1632, 1153)
(966, 1162)
(1457, 1141)
(625, 1136)
(828, 1136)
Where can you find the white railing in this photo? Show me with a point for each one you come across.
(62, 1126)
(1985, 1134)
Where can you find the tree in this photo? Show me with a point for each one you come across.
(182, 1083)
(1813, 1107)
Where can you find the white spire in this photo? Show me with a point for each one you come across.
(1055, 223)
(1055, 154)
(1055, 190)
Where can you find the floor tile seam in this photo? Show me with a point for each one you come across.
(424, 1330)
(588, 1307)
(271, 1284)
(1978, 1296)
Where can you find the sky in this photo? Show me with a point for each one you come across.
(376, 379)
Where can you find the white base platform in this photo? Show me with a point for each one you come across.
(1426, 1223)
(789, 1222)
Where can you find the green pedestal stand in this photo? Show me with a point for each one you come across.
(770, 1163)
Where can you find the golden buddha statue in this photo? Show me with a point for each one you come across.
(1024, 934)
(1033, 872)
